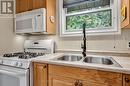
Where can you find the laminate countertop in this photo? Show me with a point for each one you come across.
(124, 62)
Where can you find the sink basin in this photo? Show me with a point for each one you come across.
(109, 61)
(101, 60)
(69, 58)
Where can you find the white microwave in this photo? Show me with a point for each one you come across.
(31, 21)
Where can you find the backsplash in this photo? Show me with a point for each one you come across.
(9, 41)
(98, 43)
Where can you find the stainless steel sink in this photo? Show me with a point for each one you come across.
(101, 60)
(69, 58)
(89, 59)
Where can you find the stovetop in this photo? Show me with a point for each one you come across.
(19, 59)
(23, 55)
(33, 49)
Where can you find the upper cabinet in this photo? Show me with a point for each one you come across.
(39, 4)
(27, 5)
(23, 5)
(125, 11)
(49, 5)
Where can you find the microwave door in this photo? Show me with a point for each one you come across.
(40, 23)
(24, 24)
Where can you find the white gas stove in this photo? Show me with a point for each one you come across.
(16, 67)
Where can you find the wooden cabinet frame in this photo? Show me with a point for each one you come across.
(126, 22)
(40, 74)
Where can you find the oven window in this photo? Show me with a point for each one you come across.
(6, 80)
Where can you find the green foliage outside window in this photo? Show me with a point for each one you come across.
(93, 20)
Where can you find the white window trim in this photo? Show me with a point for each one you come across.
(112, 31)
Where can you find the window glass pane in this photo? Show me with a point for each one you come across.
(98, 20)
(81, 5)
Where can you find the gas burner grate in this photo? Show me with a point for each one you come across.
(23, 55)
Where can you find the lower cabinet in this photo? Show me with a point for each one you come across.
(61, 81)
(40, 74)
(69, 76)
(126, 80)
(65, 81)
(54, 75)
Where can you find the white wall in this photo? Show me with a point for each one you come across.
(9, 42)
(98, 43)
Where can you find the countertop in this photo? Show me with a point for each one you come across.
(123, 61)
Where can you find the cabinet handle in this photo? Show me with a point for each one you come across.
(127, 80)
(76, 83)
(80, 84)
(52, 19)
(44, 66)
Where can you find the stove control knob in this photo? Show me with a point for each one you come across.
(15, 64)
(20, 64)
(1, 61)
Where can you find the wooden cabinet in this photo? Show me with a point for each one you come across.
(27, 5)
(40, 74)
(69, 76)
(51, 16)
(126, 12)
(60, 81)
(57, 80)
(39, 4)
(23, 5)
(126, 80)
(50, 5)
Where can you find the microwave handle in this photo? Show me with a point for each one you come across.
(10, 73)
(34, 23)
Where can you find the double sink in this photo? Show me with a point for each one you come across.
(89, 59)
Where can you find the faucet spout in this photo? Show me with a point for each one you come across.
(84, 41)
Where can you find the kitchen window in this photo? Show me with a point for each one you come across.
(102, 17)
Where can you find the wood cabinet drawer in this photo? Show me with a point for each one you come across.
(94, 76)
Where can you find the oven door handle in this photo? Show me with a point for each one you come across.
(12, 73)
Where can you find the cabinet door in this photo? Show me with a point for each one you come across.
(39, 4)
(88, 77)
(23, 5)
(17, 6)
(90, 83)
(61, 81)
(51, 16)
(40, 74)
(126, 22)
(126, 80)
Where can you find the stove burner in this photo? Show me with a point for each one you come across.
(11, 55)
(24, 55)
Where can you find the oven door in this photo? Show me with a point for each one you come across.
(10, 76)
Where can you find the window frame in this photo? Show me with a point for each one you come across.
(115, 29)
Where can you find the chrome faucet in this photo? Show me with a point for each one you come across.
(83, 46)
